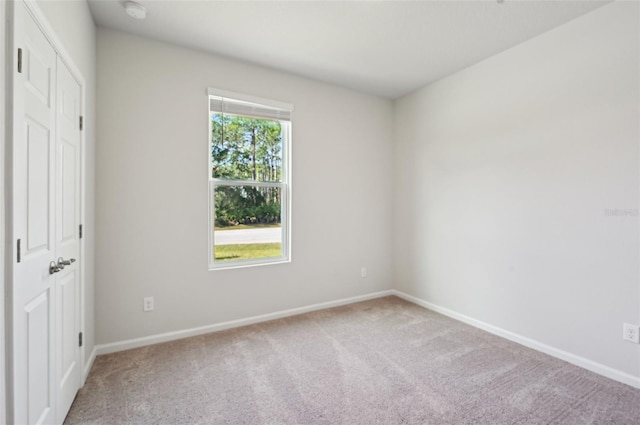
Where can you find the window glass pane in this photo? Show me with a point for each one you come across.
(247, 222)
(244, 148)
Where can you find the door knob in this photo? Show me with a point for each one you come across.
(62, 262)
(54, 268)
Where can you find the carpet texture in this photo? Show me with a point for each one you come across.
(384, 361)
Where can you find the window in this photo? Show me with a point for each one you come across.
(249, 180)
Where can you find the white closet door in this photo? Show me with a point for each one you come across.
(34, 224)
(67, 239)
(46, 217)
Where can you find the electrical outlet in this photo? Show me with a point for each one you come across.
(363, 272)
(148, 304)
(631, 333)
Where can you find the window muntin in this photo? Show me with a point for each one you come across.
(249, 183)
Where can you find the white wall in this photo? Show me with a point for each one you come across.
(74, 26)
(152, 192)
(503, 175)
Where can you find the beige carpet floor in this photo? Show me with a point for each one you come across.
(384, 361)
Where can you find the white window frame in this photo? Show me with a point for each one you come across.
(284, 185)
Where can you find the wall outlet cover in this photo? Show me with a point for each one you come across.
(148, 304)
(631, 333)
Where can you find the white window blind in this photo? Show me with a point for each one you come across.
(234, 104)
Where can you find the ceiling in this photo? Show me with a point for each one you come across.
(387, 48)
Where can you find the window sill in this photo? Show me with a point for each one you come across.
(246, 264)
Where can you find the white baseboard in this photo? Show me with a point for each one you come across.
(171, 336)
(595, 367)
(89, 365)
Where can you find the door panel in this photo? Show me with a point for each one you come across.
(38, 140)
(38, 70)
(69, 223)
(67, 238)
(34, 224)
(37, 319)
(68, 339)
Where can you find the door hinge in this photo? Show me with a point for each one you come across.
(18, 250)
(81, 122)
(80, 339)
(80, 231)
(20, 61)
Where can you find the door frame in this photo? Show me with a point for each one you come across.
(3, 241)
(6, 219)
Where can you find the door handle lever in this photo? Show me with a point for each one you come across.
(62, 262)
(56, 267)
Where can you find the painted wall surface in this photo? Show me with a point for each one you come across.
(516, 189)
(152, 192)
(74, 26)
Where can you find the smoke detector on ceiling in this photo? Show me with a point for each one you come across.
(135, 10)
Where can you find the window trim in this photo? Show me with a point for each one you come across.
(284, 185)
